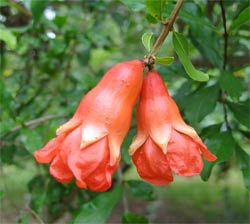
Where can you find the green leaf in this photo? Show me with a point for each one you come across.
(198, 20)
(222, 145)
(60, 20)
(24, 219)
(140, 189)
(243, 160)
(5, 97)
(125, 145)
(7, 154)
(231, 85)
(133, 5)
(165, 60)
(32, 139)
(1, 194)
(207, 43)
(131, 218)
(242, 18)
(208, 132)
(8, 37)
(199, 103)
(36, 187)
(37, 7)
(241, 112)
(99, 209)
(155, 8)
(147, 40)
(181, 48)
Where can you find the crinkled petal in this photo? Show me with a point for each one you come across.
(81, 183)
(161, 136)
(206, 153)
(89, 165)
(60, 171)
(49, 151)
(189, 131)
(152, 165)
(70, 144)
(184, 155)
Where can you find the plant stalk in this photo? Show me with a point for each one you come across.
(167, 27)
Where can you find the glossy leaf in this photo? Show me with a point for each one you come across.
(243, 160)
(222, 145)
(99, 209)
(8, 37)
(136, 6)
(155, 8)
(37, 7)
(147, 40)
(181, 48)
(241, 112)
(200, 103)
(243, 17)
(140, 189)
(165, 60)
(132, 218)
(195, 19)
(231, 85)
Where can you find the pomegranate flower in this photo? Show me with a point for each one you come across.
(87, 147)
(164, 142)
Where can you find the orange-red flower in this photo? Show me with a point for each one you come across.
(87, 147)
(164, 142)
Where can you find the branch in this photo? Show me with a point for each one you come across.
(20, 8)
(124, 196)
(223, 94)
(33, 123)
(225, 33)
(167, 27)
(233, 61)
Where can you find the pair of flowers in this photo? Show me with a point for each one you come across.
(87, 147)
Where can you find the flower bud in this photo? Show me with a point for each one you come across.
(87, 147)
(164, 142)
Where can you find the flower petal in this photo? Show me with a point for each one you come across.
(206, 153)
(60, 171)
(90, 166)
(189, 131)
(49, 151)
(184, 155)
(152, 165)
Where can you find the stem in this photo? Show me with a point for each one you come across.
(223, 12)
(223, 94)
(124, 196)
(225, 110)
(36, 216)
(167, 27)
(20, 8)
(34, 122)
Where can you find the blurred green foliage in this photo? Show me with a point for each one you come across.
(53, 52)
